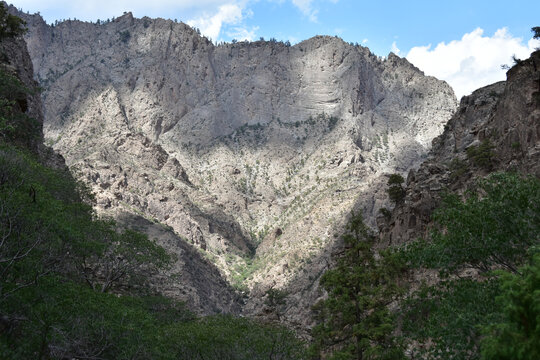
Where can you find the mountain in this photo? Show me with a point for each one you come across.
(75, 285)
(252, 152)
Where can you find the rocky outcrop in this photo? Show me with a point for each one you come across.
(251, 152)
(15, 60)
(191, 278)
(503, 119)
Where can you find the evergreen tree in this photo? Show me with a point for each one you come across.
(10, 25)
(517, 335)
(395, 190)
(354, 321)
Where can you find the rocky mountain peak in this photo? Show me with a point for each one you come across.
(253, 153)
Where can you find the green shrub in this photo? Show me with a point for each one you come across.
(386, 213)
(125, 36)
(482, 155)
(493, 226)
(446, 318)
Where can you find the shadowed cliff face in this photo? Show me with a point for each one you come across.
(504, 117)
(15, 61)
(252, 152)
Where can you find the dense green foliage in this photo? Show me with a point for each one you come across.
(355, 322)
(445, 319)
(516, 335)
(494, 227)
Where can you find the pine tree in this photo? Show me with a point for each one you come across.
(395, 190)
(10, 25)
(354, 321)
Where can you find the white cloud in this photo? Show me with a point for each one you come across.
(242, 33)
(306, 7)
(210, 26)
(473, 61)
(365, 41)
(395, 49)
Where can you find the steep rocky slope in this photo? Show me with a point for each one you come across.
(500, 120)
(15, 60)
(252, 152)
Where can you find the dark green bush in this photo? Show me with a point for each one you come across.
(482, 155)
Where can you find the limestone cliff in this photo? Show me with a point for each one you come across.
(252, 152)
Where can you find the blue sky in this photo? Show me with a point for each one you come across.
(444, 38)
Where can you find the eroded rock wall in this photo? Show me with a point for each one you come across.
(254, 153)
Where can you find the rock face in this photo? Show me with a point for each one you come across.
(505, 116)
(252, 152)
(15, 60)
(191, 277)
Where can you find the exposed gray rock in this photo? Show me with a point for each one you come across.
(191, 278)
(252, 152)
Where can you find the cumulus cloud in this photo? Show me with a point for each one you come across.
(210, 26)
(473, 61)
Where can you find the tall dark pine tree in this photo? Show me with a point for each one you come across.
(395, 190)
(354, 321)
